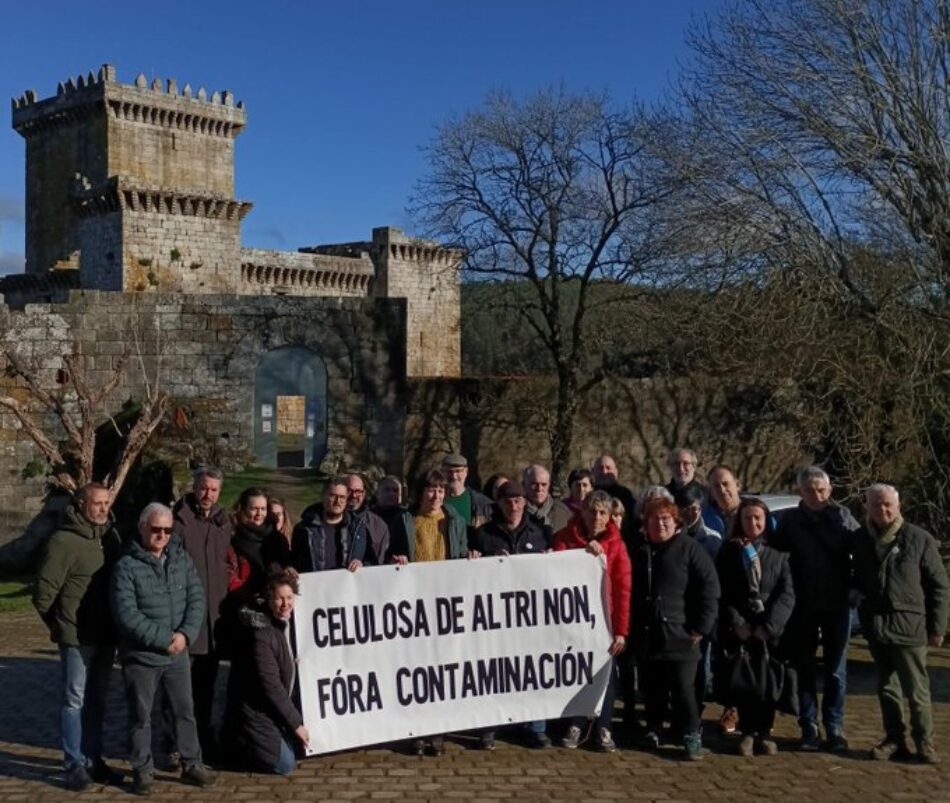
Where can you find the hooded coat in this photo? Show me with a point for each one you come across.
(72, 586)
(260, 711)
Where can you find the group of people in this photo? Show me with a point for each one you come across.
(711, 596)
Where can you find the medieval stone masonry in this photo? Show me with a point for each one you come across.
(132, 226)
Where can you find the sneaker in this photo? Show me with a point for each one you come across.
(199, 775)
(538, 741)
(77, 779)
(746, 747)
(810, 742)
(889, 748)
(437, 746)
(572, 738)
(927, 753)
(767, 747)
(693, 744)
(170, 762)
(605, 742)
(486, 741)
(836, 742)
(650, 740)
(418, 747)
(101, 772)
(142, 783)
(729, 720)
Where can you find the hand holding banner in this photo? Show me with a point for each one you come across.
(399, 652)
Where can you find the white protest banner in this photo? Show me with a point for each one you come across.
(398, 652)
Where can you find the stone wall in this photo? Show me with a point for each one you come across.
(428, 277)
(207, 349)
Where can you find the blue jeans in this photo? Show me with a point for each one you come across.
(86, 670)
(286, 761)
(834, 630)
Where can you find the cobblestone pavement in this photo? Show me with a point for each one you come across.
(30, 763)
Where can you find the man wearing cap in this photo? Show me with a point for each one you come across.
(510, 531)
(474, 507)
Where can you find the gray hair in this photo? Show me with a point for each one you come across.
(532, 470)
(810, 473)
(150, 510)
(671, 460)
(880, 488)
(210, 472)
(600, 499)
(655, 492)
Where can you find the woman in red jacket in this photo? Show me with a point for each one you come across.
(594, 531)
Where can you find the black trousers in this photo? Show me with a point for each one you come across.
(670, 685)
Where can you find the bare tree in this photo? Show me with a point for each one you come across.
(62, 416)
(816, 136)
(553, 191)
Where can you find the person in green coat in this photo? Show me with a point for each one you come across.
(71, 597)
(903, 595)
(158, 604)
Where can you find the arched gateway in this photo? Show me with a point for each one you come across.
(290, 408)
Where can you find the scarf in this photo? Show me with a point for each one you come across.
(884, 538)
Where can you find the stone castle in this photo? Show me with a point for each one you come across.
(288, 358)
(131, 189)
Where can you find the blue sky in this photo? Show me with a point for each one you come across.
(340, 96)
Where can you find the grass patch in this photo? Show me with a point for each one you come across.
(15, 596)
(298, 487)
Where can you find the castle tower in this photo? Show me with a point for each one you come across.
(134, 185)
(427, 276)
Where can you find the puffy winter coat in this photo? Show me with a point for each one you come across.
(776, 592)
(675, 593)
(308, 554)
(574, 536)
(260, 710)
(152, 600)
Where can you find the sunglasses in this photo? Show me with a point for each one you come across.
(161, 530)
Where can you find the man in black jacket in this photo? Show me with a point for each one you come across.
(817, 536)
(329, 536)
(512, 532)
(904, 597)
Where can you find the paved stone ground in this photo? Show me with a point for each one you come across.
(30, 761)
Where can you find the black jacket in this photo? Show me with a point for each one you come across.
(529, 538)
(818, 544)
(355, 542)
(675, 589)
(775, 591)
(259, 709)
(907, 594)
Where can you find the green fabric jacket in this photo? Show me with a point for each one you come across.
(72, 586)
(403, 540)
(152, 600)
(907, 594)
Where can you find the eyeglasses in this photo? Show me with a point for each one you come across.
(161, 530)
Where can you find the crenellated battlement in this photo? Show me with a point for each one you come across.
(159, 103)
(286, 272)
(122, 193)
